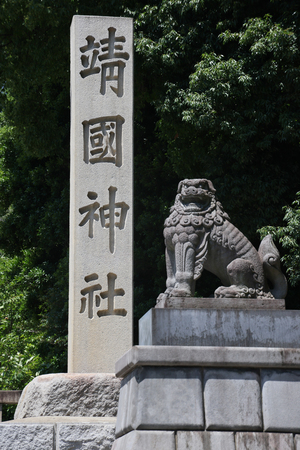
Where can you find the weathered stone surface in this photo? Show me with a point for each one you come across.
(281, 400)
(159, 398)
(26, 437)
(220, 303)
(146, 440)
(205, 440)
(232, 400)
(85, 436)
(70, 395)
(264, 441)
(128, 403)
(101, 193)
(255, 357)
(210, 327)
(199, 235)
(65, 420)
(297, 441)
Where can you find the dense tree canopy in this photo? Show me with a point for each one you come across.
(221, 82)
(216, 95)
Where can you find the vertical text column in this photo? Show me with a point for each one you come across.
(101, 199)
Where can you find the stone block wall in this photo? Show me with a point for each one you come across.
(195, 398)
(207, 440)
(57, 436)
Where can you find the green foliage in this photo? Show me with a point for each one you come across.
(221, 80)
(20, 333)
(17, 328)
(241, 104)
(34, 185)
(289, 237)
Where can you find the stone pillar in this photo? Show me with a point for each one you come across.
(101, 203)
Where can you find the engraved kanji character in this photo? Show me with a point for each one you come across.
(113, 70)
(110, 49)
(90, 300)
(109, 213)
(110, 294)
(90, 213)
(90, 67)
(103, 140)
(110, 74)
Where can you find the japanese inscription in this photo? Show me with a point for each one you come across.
(90, 291)
(110, 294)
(89, 61)
(112, 215)
(109, 52)
(102, 143)
(101, 193)
(90, 211)
(102, 140)
(110, 212)
(92, 300)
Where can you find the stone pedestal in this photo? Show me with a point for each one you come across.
(220, 303)
(220, 327)
(218, 389)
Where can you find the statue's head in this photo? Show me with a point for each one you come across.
(195, 188)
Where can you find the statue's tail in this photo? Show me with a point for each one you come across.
(271, 264)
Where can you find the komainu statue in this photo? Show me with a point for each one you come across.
(199, 235)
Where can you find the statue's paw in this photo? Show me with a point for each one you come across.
(161, 300)
(235, 291)
(223, 292)
(161, 297)
(164, 295)
(179, 293)
(169, 290)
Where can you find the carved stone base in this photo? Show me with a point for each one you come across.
(199, 398)
(220, 303)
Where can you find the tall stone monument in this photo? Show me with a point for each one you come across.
(101, 208)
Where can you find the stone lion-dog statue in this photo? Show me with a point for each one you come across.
(199, 235)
